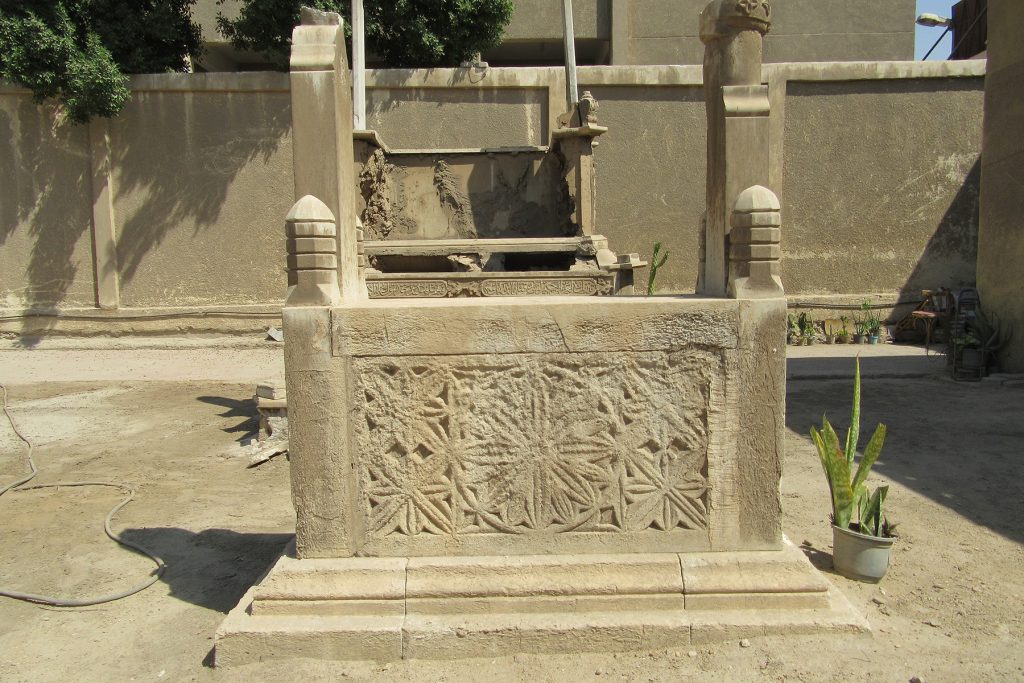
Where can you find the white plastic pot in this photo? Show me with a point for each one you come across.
(859, 556)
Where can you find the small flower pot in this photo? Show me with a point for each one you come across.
(859, 556)
(830, 339)
(971, 359)
(858, 339)
(872, 339)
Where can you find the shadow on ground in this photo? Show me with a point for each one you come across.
(212, 568)
(953, 442)
(842, 363)
(244, 409)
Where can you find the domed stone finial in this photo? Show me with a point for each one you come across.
(312, 254)
(755, 245)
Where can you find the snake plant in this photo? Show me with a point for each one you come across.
(850, 495)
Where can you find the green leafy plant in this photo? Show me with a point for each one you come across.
(792, 327)
(808, 330)
(872, 324)
(403, 33)
(843, 334)
(656, 263)
(850, 495)
(78, 51)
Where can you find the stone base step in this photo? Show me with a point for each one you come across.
(444, 608)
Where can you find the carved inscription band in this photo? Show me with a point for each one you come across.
(408, 289)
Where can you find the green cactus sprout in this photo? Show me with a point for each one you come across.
(656, 263)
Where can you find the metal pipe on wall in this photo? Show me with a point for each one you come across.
(571, 87)
(358, 66)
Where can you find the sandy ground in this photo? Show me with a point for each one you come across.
(169, 423)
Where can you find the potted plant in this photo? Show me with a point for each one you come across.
(858, 333)
(792, 330)
(843, 335)
(862, 537)
(873, 328)
(991, 338)
(972, 357)
(831, 328)
(807, 330)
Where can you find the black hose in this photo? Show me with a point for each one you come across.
(83, 602)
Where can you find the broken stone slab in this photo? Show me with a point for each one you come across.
(271, 389)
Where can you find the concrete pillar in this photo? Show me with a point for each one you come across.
(1001, 225)
(739, 151)
(620, 33)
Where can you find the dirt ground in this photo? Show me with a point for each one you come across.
(950, 609)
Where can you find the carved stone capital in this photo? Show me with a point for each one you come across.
(722, 18)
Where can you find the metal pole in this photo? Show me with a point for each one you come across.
(571, 88)
(358, 66)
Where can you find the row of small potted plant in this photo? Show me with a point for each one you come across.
(866, 328)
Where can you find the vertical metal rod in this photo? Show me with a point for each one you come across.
(358, 66)
(571, 88)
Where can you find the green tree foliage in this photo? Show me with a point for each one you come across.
(404, 33)
(78, 51)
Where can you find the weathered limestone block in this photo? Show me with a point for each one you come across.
(539, 426)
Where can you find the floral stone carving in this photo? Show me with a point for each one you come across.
(521, 444)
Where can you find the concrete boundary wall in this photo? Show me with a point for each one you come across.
(177, 203)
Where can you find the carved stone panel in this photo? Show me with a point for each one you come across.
(527, 444)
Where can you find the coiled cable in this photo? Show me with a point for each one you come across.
(19, 485)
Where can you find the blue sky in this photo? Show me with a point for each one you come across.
(926, 37)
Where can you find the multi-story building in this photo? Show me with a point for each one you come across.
(623, 32)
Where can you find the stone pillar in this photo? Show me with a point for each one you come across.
(325, 521)
(576, 141)
(738, 126)
(755, 250)
(322, 133)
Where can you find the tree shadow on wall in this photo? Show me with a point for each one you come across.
(45, 186)
(175, 157)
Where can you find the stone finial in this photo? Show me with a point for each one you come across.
(588, 107)
(312, 254)
(755, 251)
(724, 17)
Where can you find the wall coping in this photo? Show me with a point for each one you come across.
(546, 76)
